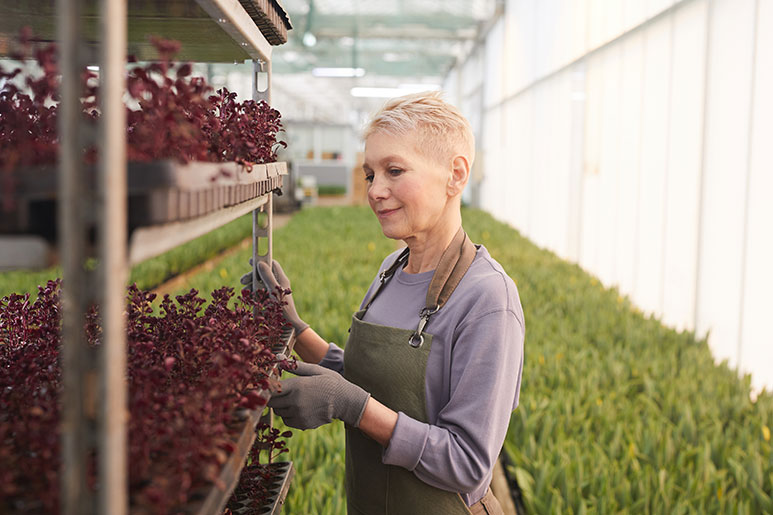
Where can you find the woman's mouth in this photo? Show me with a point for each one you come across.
(385, 213)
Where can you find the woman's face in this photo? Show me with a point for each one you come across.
(407, 190)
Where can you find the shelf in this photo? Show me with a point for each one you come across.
(169, 204)
(209, 30)
(147, 242)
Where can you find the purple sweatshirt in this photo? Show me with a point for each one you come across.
(473, 377)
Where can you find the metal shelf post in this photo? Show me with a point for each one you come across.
(113, 270)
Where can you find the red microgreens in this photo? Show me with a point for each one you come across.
(188, 368)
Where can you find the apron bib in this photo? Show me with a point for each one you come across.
(391, 363)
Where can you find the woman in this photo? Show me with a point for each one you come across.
(432, 367)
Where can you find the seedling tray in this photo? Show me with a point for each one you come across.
(158, 193)
(280, 474)
(213, 500)
(271, 19)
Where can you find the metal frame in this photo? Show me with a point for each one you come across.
(94, 397)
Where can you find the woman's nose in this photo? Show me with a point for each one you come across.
(378, 189)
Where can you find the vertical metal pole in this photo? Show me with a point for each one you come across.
(76, 498)
(261, 90)
(262, 70)
(111, 443)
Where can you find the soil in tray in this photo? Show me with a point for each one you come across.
(259, 489)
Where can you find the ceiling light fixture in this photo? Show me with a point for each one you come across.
(338, 72)
(309, 39)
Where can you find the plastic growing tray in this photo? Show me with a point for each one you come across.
(271, 19)
(280, 476)
(158, 193)
(214, 499)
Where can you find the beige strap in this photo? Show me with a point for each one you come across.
(454, 263)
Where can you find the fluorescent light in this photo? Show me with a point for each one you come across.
(403, 89)
(338, 72)
(309, 39)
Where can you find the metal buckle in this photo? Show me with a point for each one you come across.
(417, 339)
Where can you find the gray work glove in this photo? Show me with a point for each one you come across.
(274, 280)
(317, 396)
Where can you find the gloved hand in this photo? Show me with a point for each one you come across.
(272, 280)
(317, 396)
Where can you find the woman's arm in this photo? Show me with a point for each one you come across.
(310, 346)
(378, 421)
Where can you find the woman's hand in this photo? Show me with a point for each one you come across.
(317, 396)
(274, 279)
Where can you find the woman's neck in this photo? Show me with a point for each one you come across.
(426, 250)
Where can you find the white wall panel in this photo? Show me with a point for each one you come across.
(552, 131)
(655, 7)
(520, 44)
(589, 233)
(493, 80)
(613, 19)
(635, 162)
(630, 158)
(605, 21)
(634, 13)
(576, 159)
(756, 337)
(548, 36)
(561, 165)
(648, 283)
(519, 142)
(540, 203)
(724, 174)
(564, 37)
(609, 169)
(472, 72)
(451, 87)
(596, 36)
(684, 165)
(491, 170)
(578, 12)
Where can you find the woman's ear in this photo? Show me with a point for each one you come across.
(460, 174)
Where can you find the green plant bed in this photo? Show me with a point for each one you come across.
(149, 273)
(617, 414)
(327, 189)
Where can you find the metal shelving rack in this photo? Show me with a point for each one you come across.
(94, 396)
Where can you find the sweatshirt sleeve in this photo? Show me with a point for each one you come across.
(458, 452)
(334, 358)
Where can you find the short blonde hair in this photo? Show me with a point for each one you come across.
(444, 131)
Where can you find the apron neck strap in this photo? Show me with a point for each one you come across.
(387, 274)
(454, 263)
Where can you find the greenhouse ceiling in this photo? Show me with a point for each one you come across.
(406, 38)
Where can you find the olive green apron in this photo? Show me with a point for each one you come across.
(390, 363)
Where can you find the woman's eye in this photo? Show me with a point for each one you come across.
(395, 171)
(369, 178)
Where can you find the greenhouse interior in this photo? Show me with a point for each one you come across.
(222, 220)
